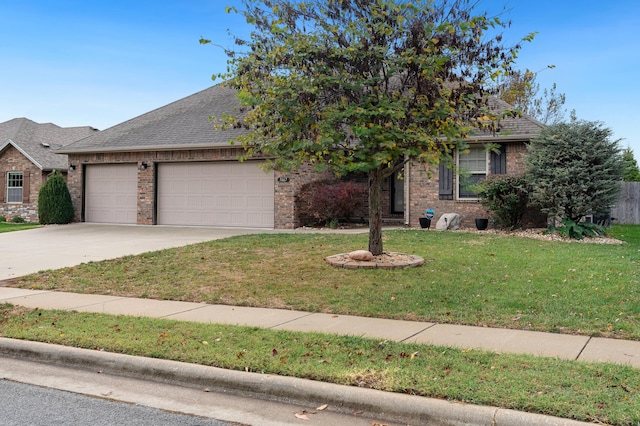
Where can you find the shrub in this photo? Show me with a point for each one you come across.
(326, 202)
(54, 201)
(3, 218)
(506, 197)
(574, 169)
(17, 219)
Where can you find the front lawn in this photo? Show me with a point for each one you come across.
(597, 392)
(475, 279)
(10, 227)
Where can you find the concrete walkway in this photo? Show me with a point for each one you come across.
(562, 346)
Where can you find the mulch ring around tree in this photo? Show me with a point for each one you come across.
(387, 260)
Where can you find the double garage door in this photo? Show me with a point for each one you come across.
(202, 194)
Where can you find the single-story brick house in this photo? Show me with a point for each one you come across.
(27, 157)
(171, 166)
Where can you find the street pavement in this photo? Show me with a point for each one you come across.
(84, 242)
(31, 405)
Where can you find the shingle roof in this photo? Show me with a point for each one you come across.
(183, 124)
(38, 142)
(520, 128)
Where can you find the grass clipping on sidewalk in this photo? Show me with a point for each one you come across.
(595, 392)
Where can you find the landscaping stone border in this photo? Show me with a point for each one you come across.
(387, 260)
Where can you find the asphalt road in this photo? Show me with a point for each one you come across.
(23, 404)
(198, 406)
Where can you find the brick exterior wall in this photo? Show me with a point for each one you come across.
(12, 160)
(421, 184)
(286, 185)
(287, 203)
(424, 193)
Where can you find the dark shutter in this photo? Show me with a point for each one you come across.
(3, 187)
(499, 161)
(445, 181)
(26, 184)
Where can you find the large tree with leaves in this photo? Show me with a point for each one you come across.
(364, 85)
(520, 89)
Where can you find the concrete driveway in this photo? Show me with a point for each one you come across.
(58, 246)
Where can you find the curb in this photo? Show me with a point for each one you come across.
(407, 409)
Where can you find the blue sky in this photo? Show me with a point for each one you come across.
(99, 63)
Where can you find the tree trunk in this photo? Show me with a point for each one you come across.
(375, 211)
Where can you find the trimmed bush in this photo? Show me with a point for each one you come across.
(507, 198)
(3, 218)
(17, 219)
(54, 201)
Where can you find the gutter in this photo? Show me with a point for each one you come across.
(92, 150)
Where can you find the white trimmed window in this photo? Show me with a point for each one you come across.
(15, 181)
(472, 169)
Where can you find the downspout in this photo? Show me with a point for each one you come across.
(407, 192)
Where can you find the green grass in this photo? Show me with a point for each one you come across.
(475, 279)
(591, 392)
(10, 227)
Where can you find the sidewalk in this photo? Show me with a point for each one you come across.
(581, 348)
(345, 400)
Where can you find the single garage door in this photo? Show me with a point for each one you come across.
(215, 194)
(111, 193)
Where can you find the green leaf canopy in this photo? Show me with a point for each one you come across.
(364, 85)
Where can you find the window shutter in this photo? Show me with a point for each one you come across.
(499, 161)
(3, 187)
(445, 181)
(25, 186)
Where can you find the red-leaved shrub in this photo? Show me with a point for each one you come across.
(327, 201)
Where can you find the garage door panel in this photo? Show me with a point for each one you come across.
(111, 193)
(215, 194)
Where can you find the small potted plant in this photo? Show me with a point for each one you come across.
(425, 222)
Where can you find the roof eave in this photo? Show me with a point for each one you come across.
(181, 147)
(502, 138)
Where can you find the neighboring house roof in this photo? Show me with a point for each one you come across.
(183, 124)
(37, 142)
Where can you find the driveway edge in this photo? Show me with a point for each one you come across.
(407, 409)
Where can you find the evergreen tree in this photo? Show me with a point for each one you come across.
(574, 169)
(631, 172)
(54, 201)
